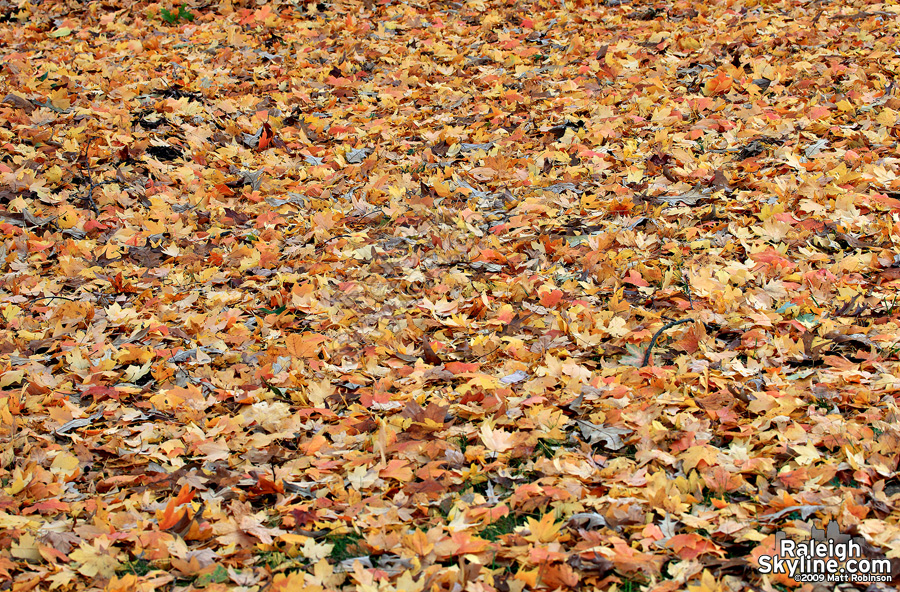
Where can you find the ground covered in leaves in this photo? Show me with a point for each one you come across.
(383, 295)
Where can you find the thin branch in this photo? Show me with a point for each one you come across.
(91, 185)
(53, 298)
(656, 336)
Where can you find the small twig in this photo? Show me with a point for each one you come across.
(685, 278)
(656, 335)
(91, 185)
(326, 241)
(687, 288)
(54, 298)
(482, 356)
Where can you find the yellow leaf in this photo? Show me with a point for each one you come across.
(544, 530)
(60, 98)
(442, 189)
(11, 376)
(635, 175)
(887, 117)
(618, 327)
(844, 105)
(707, 583)
(65, 463)
(19, 483)
(317, 392)
(694, 455)
(95, 561)
(68, 218)
(251, 260)
(54, 174)
(26, 549)
(8, 521)
(133, 373)
(590, 202)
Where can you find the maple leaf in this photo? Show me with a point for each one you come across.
(99, 559)
(170, 516)
(635, 356)
(316, 551)
(718, 84)
(706, 583)
(695, 455)
(26, 548)
(611, 436)
(496, 440)
(543, 530)
(692, 545)
(292, 581)
(246, 532)
(629, 560)
(397, 469)
(304, 345)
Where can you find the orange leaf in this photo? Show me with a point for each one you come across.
(491, 256)
(188, 568)
(224, 189)
(305, 345)
(818, 112)
(692, 545)
(170, 518)
(559, 575)
(419, 543)
(397, 469)
(551, 299)
(719, 84)
(265, 138)
(695, 455)
(466, 543)
(635, 279)
(630, 560)
(461, 367)
(292, 581)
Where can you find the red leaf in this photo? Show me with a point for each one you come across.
(265, 139)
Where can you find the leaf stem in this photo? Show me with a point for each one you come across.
(656, 335)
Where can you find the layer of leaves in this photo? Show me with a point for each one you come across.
(381, 295)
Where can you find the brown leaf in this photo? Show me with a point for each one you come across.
(428, 353)
(720, 181)
(18, 102)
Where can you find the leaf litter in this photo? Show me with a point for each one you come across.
(461, 295)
